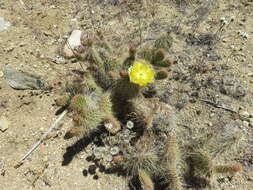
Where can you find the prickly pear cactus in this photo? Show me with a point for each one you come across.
(142, 137)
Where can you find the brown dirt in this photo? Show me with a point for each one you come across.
(38, 32)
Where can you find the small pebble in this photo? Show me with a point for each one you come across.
(232, 47)
(58, 60)
(4, 124)
(129, 124)
(223, 20)
(114, 150)
(98, 152)
(243, 34)
(244, 115)
(245, 123)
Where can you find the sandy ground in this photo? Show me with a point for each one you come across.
(38, 31)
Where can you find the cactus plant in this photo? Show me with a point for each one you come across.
(143, 137)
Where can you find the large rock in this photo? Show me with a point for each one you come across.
(21, 80)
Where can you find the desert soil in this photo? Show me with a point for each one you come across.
(213, 42)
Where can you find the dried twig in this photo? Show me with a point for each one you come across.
(76, 54)
(56, 122)
(140, 30)
(219, 106)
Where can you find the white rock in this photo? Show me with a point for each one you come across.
(4, 24)
(232, 47)
(114, 150)
(245, 123)
(73, 42)
(243, 34)
(223, 20)
(4, 124)
(129, 124)
(58, 60)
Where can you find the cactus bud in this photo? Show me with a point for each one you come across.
(228, 168)
(161, 74)
(78, 103)
(159, 55)
(146, 180)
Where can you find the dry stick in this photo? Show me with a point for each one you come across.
(139, 19)
(219, 106)
(76, 54)
(42, 138)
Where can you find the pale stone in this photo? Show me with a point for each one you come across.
(244, 115)
(74, 41)
(4, 24)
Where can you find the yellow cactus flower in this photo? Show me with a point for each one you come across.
(141, 73)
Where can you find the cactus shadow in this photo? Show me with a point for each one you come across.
(62, 109)
(134, 183)
(119, 171)
(196, 182)
(115, 170)
(77, 147)
(192, 180)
